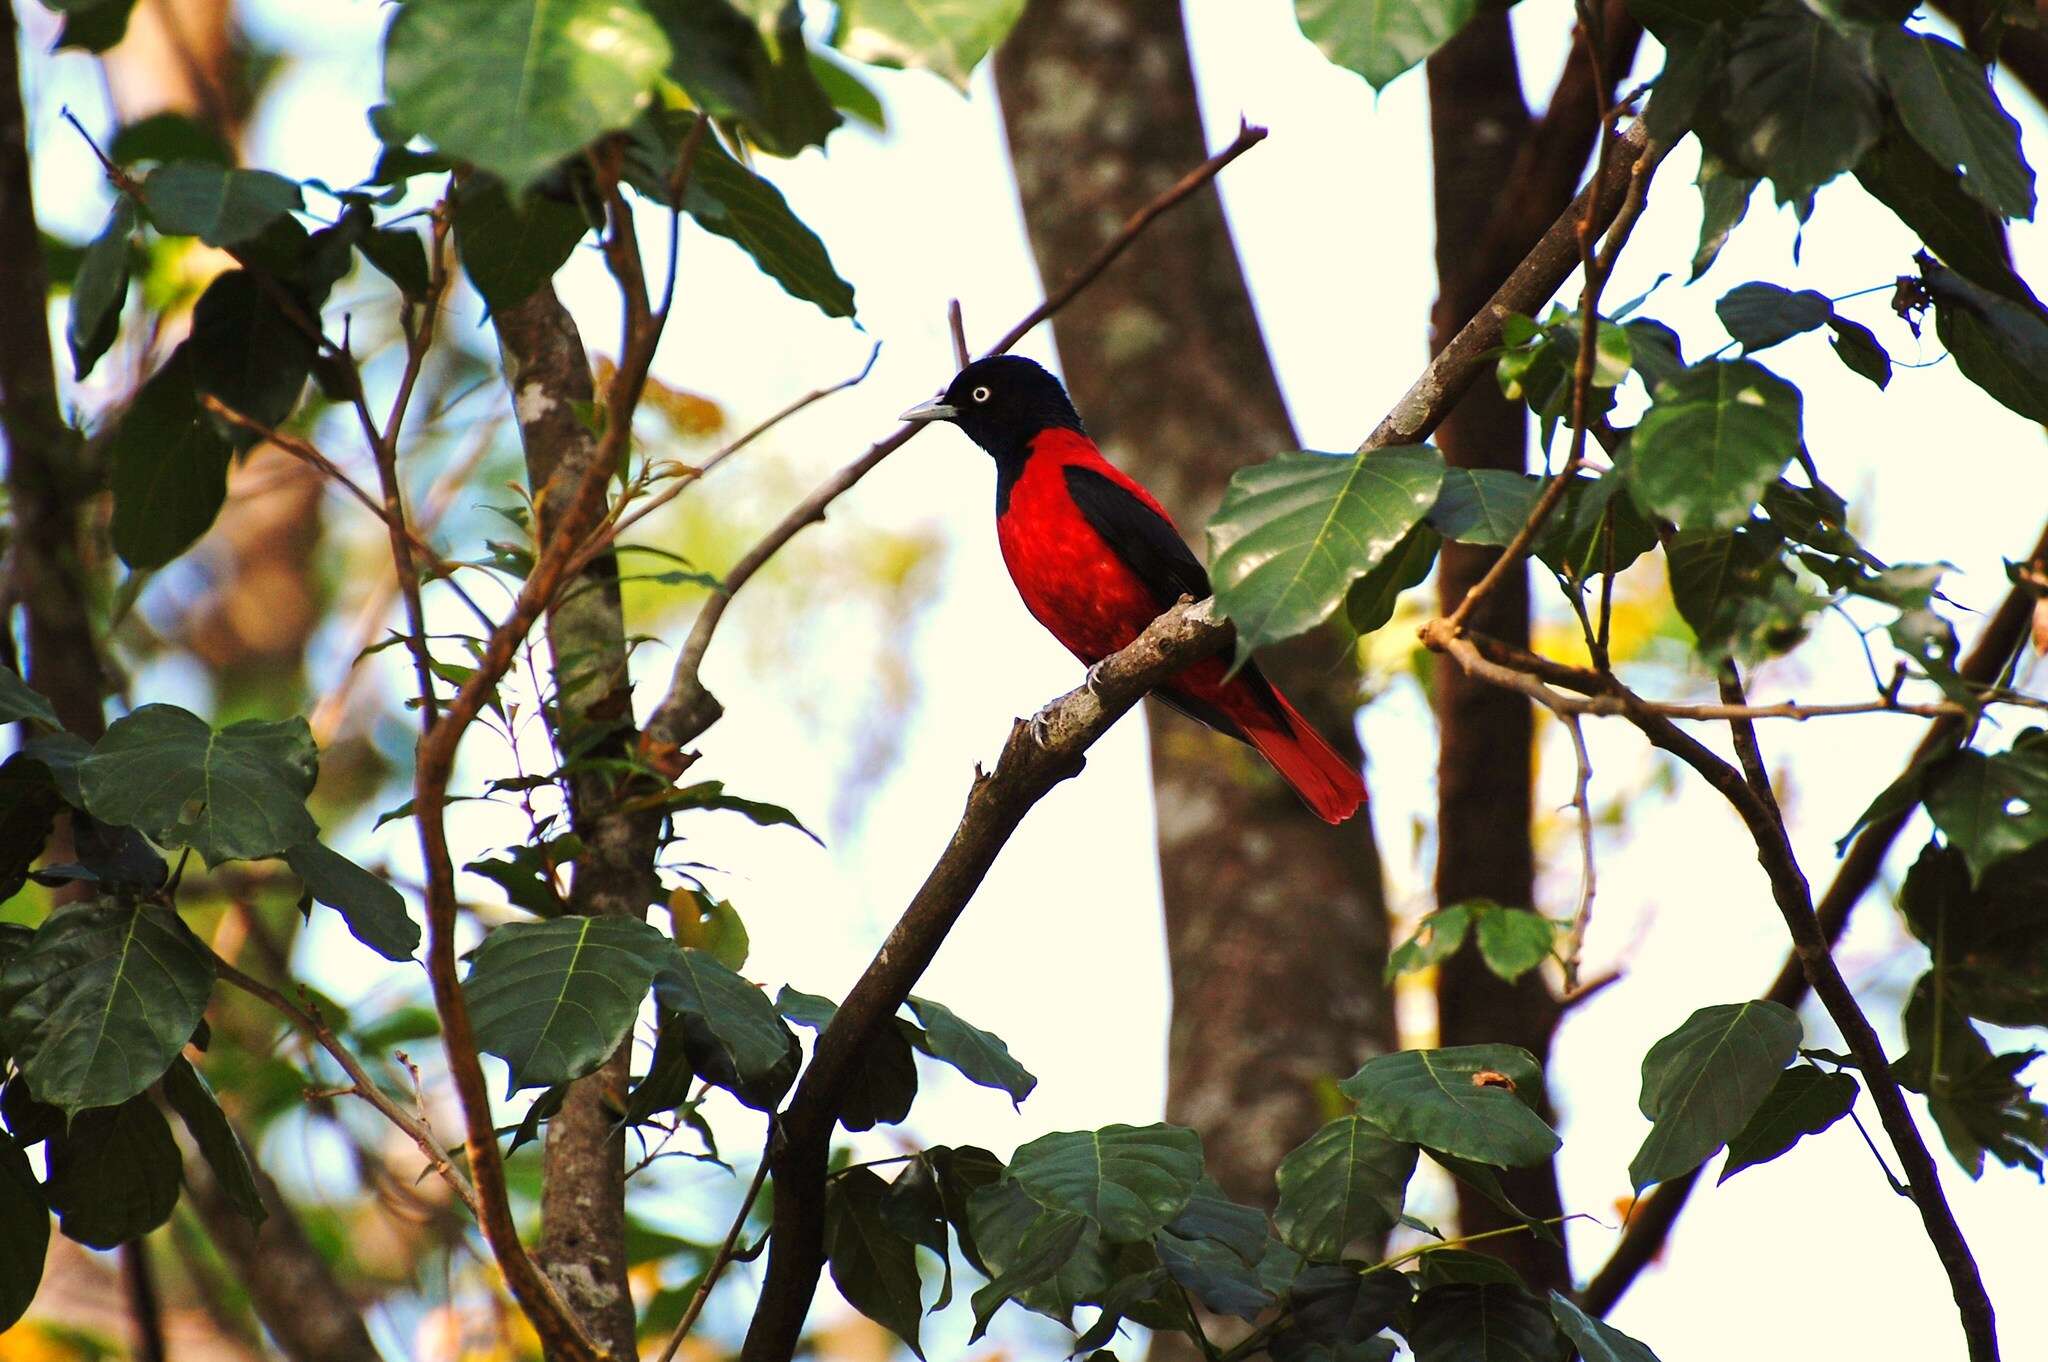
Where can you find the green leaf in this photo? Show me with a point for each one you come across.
(1945, 100)
(517, 85)
(1381, 39)
(1340, 1308)
(170, 468)
(710, 794)
(1990, 940)
(1801, 104)
(2000, 345)
(1130, 1180)
(247, 353)
(1725, 196)
(1514, 941)
(29, 804)
(554, 999)
(1857, 347)
(1712, 441)
(1704, 1081)
(399, 255)
(1372, 599)
(753, 70)
(666, 1084)
(113, 1174)
(1929, 198)
(167, 137)
(983, 1058)
(1760, 315)
(1437, 937)
(735, 1039)
(1483, 505)
(19, 700)
(1595, 530)
(1470, 1101)
(1294, 533)
(848, 92)
(1992, 807)
(1977, 1098)
(186, 1089)
(1344, 1184)
(885, 1084)
(238, 793)
(1804, 1101)
(947, 36)
(372, 909)
(24, 1233)
(730, 200)
(102, 1001)
(1490, 1323)
(219, 205)
(1042, 1259)
(1596, 1339)
(1736, 593)
(510, 247)
(873, 1266)
(100, 290)
(1217, 1277)
(1211, 1214)
(94, 25)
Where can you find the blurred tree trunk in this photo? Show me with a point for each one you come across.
(1501, 177)
(1276, 923)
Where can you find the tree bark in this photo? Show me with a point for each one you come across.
(583, 1206)
(1501, 177)
(1275, 923)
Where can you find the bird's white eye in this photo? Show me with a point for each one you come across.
(980, 394)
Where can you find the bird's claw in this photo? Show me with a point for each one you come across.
(1093, 679)
(1041, 730)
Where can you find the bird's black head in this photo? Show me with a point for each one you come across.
(1001, 403)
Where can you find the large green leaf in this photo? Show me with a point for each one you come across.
(982, 1057)
(1294, 533)
(1760, 315)
(1999, 344)
(873, 1266)
(753, 70)
(237, 793)
(219, 205)
(100, 289)
(516, 85)
(247, 353)
(510, 245)
(1804, 1101)
(189, 1094)
(554, 999)
(1992, 807)
(947, 36)
(1929, 198)
(1045, 1260)
(1470, 1101)
(170, 468)
(24, 1232)
(374, 911)
(1379, 39)
(1373, 598)
(1714, 438)
(1802, 103)
(727, 198)
(1345, 1183)
(1214, 1275)
(732, 1033)
(1483, 505)
(1596, 1339)
(1946, 102)
(1130, 1180)
(1482, 1323)
(1704, 1081)
(113, 1174)
(1211, 1214)
(102, 1000)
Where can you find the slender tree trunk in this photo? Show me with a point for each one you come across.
(583, 1206)
(1500, 178)
(1276, 923)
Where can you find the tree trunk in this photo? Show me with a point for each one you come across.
(1275, 923)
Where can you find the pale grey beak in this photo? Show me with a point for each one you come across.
(934, 410)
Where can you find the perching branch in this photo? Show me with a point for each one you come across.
(687, 709)
(1038, 756)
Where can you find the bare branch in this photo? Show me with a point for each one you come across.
(1038, 756)
(958, 326)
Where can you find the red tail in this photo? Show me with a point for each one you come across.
(1326, 782)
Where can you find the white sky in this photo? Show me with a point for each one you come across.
(1061, 952)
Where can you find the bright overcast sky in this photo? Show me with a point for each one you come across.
(1061, 952)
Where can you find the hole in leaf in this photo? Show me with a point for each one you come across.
(2017, 807)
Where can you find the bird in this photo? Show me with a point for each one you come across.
(1097, 558)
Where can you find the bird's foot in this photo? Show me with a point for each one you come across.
(1041, 728)
(1093, 679)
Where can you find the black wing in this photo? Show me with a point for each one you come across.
(1154, 550)
(1144, 539)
